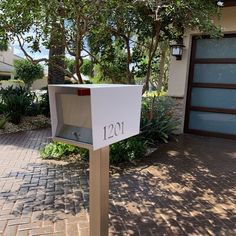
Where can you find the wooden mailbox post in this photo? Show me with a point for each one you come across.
(93, 117)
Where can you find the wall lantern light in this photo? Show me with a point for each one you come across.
(220, 3)
(177, 49)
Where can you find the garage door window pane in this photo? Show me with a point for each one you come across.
(216, 48)
(214, 98)
(213, 122)
(215, 73)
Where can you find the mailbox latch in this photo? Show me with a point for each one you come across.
(76, 135)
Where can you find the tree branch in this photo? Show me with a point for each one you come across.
(23, 50)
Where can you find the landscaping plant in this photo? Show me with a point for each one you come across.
(14, 102)
(44, 103)
(28, 72)
(1, 108)
(3, 121)
(58, 151)
(128, 150)
(157, 120)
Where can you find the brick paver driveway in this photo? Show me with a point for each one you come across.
(184, 188)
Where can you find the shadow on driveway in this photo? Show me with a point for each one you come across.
(186, 187)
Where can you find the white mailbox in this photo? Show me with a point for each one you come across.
(94, 116)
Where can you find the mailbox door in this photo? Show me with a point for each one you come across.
(115, 113)
(71, 115)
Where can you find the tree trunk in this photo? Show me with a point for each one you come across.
(130, 76)
(152, 52)
(78, 59)
(56, 66)
(161, 76)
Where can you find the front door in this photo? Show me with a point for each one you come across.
(211, 102)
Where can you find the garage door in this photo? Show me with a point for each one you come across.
(211, 103)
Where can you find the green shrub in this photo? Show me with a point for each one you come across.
(3, 121)
(157, 120)
(17, 81)
(33, 109)
(2, 107)
(44, 103)
(154, 94)
(58, 151)
(128, 150)
(11, 82)
(28, 72)
(15, 102)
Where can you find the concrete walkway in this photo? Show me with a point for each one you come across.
(185, 188)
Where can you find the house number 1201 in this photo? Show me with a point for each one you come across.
(113, 130)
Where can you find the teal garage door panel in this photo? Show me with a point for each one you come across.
(213, 122)
(216, 48)
(214, 98)
(215, 73)
(211, 103)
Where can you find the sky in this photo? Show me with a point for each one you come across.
(44, 52)
(37, 55)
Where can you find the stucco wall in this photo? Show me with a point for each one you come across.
(179, 70)
(7, 56)
(40, 83)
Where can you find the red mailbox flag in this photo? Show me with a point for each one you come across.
(83, 92)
